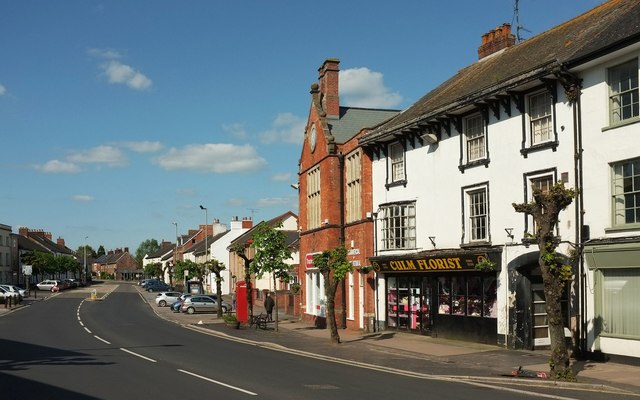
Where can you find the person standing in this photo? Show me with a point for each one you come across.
(268, 306)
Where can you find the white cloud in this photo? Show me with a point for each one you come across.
(83, 198)
(286, 127)
(274, 201)
(285, 177)
(109, 54)
(143, 147)
(3, 90)
(58, 167)
(237, 130)
(120, 73)
(108, 155)
(361, 87)
(186, 192)
(217, 158)
(235, 202)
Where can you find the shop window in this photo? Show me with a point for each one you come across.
(474, 296)
(490, 297)
(444, 295)
(458, 293)
(619, 290)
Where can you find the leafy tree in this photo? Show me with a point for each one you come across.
(334, 267)
(147, 247)
(195, 271)
(102, 251)
(216, 267)
(556, 272)
(153, 269)
(270, 252)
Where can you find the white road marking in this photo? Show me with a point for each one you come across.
(87, 329)
(101, 339)
(218, 383)
(138, 355)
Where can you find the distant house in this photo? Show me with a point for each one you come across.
(30, 240)
(118, 264)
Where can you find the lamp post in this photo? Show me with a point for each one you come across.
(206, 233)
(175, 254)
(85, 259)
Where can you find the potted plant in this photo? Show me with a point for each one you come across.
(231, 321)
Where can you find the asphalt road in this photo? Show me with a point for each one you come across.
(117, 348)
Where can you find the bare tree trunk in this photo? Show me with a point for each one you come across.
(330, 293)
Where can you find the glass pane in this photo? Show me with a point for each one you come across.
(444, 295)
(490, 297)
(458, 298)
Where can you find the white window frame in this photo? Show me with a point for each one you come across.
(543, 182)
(313, 198)
(476, 213)
(396, 163)
(398, 226)
(540, 115)
(623, 92)
(625, 193)
(475, 138)
(353, 172)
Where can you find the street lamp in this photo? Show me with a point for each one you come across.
(206, 233)
(175, 250)
(85, 258)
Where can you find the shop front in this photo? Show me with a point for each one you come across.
(441, 293)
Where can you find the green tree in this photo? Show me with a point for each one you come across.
(153, 269)
(195, 270)
(101, 251)
(334, 267)
(556, 272)
(147, 247)
(270, 252)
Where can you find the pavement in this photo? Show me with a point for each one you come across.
(391, 350)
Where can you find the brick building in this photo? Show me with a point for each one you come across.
(335, 200)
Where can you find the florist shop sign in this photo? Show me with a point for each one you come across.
(461, 262)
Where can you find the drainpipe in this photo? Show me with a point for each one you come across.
(342, 235)
(375, 273)
(582, 326)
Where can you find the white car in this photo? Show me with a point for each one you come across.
(14, 289)
(5, 294)
(167, 298)
(49, 285)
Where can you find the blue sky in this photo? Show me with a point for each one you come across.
(118, 118)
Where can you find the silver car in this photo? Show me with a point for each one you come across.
(14, 289)
(167, 298)
(200, 303)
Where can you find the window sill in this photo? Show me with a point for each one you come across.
(623, 228)
(620, 124)
(479, 243)
(472, 164)
(396, 183)
(539, 147)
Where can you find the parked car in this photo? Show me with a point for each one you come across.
(15, 289)
(175, 307)
(148, 282)
(49, 285)
(156, 286)
(200, 303)
(164, 298)
(5, 294)
(72, 283)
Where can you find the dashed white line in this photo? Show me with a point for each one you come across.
(101, 339)
(218, 382)
(138, 355)
(87, 329)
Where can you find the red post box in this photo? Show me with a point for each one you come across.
(242, 309)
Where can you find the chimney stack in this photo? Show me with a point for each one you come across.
(60, 242)
(328, 77)
(496, 40)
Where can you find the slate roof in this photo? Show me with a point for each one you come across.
(162, 251)
(607, 27)
(246, 236)
(352, 120)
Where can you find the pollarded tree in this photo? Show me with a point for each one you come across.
(334, 267)
(271, 248)
(216, 267)
(240, 250)
(556, 272)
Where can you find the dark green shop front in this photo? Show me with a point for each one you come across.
(441, 294)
